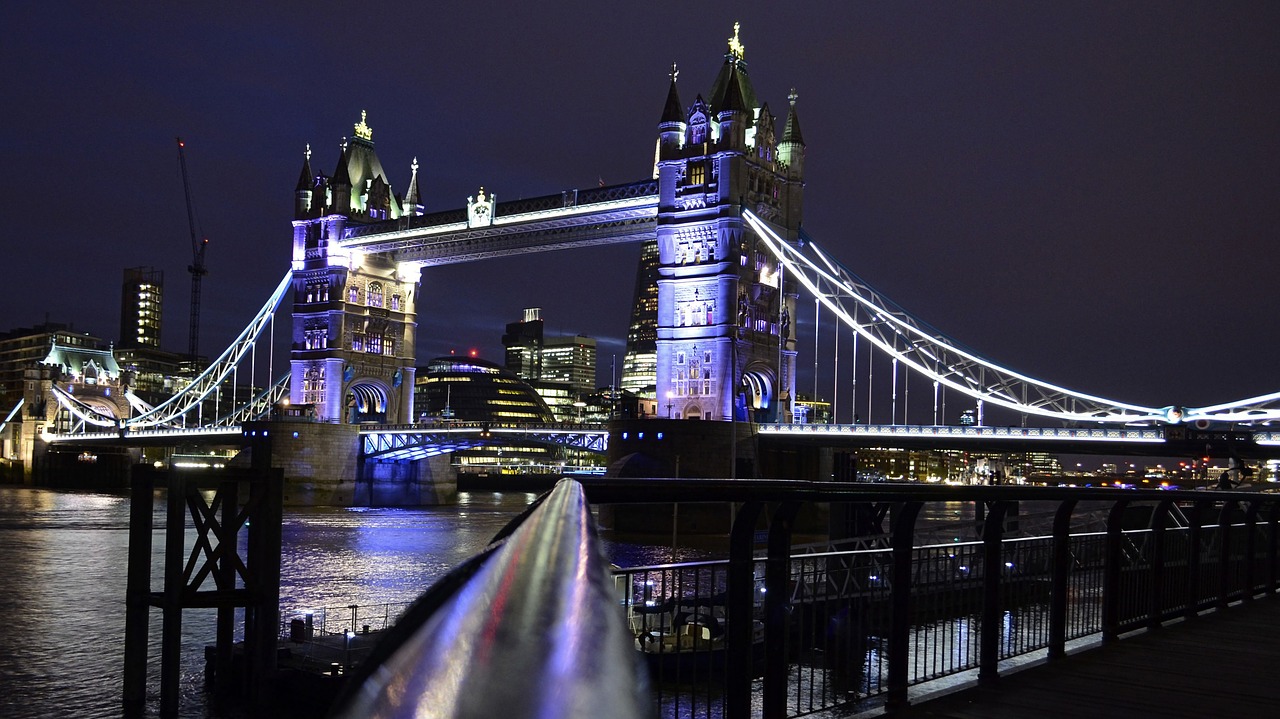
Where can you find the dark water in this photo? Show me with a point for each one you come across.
(63, 557)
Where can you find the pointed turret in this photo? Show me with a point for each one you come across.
(733, 114)
(791, 149)
(673, 111)
(671, 127)
(733, 73)
(340, 184)
(412, 197)
(302, 192)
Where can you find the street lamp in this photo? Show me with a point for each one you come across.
(579, 404)
(669, 396)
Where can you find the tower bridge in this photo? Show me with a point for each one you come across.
(724, 210)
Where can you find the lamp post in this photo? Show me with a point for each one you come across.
(669, 396)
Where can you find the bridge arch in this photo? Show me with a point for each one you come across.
(366, 401)
(757, 388)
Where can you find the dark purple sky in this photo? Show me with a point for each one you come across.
(1087, 192)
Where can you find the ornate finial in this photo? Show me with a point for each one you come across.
(480, 195)
(736, 47)
(414, 166)
(793, 97)
(307, 153)
(363, 131)
(343, 144)
(675, 72)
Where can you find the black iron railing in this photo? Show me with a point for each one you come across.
(776, 632)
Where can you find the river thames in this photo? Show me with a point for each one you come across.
(63, 559)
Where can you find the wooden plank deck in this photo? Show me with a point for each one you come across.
(1221, 664)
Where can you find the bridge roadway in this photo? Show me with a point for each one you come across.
(1220, 664)
(1150, 441)
(416, 441)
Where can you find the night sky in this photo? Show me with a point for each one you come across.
(1086, 192)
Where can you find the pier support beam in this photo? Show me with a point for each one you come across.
(212, 559)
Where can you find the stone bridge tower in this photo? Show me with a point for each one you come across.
(726, 342)
(354, 317)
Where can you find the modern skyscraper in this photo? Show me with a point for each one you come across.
(141, 307)
(572, 361)
(523, 341)
(640, 364)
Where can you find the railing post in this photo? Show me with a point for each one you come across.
(1250, 548)
(1224, 553)
(739, 611)
(1111, 572)
(1273, 552)
(777, 573)
(1061, 582)
(1155, 572)
(1195, 538)
(993, 566)
(903, 530)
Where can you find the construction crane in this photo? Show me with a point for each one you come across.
(196, 268)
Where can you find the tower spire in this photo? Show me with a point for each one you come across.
(673, 111)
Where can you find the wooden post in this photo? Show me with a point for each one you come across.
(138, 593)
(171, 604)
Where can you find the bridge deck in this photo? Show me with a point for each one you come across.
(1220, 664)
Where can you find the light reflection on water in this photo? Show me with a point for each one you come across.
(63, 558)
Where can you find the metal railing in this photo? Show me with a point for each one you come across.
(792, 634)
(532, 624)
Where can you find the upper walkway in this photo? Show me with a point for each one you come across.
(1216, 665)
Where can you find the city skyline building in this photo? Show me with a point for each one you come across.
(141, 307)
(523, 342)
(570, 360)
(640, 363)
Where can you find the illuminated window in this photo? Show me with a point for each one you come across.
(353, 295)
(395, 302)
(313, 386)
(697, 173)
(375, 294)
(317, 338)
(317, 292)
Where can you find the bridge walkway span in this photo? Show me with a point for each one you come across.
(1219, 664)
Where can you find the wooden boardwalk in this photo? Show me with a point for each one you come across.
(1221, 664)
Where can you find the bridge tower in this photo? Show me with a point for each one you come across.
(726, 343)
(354, 316)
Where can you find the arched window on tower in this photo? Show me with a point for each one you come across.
(375, 294)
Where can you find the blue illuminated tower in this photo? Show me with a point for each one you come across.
(354, 317)
(726, 342)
